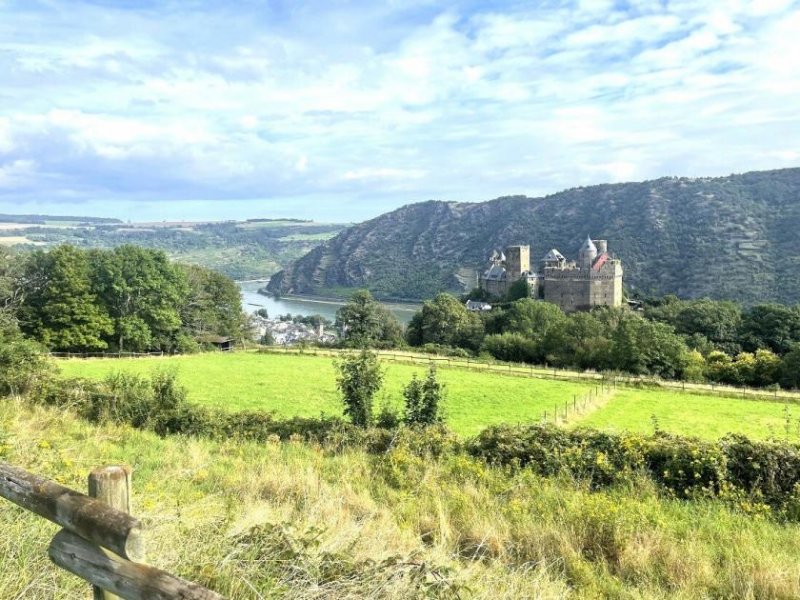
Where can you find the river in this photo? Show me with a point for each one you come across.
(252, 301)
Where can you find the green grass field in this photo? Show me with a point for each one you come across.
(694, 414)
(306, 386)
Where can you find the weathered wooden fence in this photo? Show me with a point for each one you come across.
(100, 541)
(541, 372)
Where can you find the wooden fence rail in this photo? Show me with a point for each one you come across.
(543, 372)
(100, 542)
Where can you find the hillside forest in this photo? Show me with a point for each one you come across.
(726, 238)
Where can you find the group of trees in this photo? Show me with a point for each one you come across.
(695, 340)
(126, 299)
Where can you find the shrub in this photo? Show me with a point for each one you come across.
(360, 377)
(510, 347)
(423, 398)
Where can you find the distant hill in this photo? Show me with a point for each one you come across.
(735, 237)
(42, 219)
(249, 249)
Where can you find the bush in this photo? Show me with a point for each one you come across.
(735, 468)
(422, 399)
(22, 362)
(360, 377)
(510, 347)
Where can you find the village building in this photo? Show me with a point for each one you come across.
(478, 306)
(595, 279)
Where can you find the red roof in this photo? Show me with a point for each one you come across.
(600, 261)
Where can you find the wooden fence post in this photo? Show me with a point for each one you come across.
(112, 485)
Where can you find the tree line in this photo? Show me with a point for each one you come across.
(129, 299)
(693, 340)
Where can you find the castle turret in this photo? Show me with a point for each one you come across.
(587, 254)
(602, 246)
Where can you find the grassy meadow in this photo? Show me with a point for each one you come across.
(294, 520)
(304, 385)
(698, 415)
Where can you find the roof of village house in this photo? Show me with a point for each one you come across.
(213, 339)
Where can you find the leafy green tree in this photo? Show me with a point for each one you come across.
(540, 322)
(60, 309)
(585, 342)
(718, 321)
(213, 304)
(477, 293)
(518, 290)
(365, 323)
(771, 326)
(511, 347)
(447, 322)
(423, 399)
(766, 368)
(359, 379)
(789, 371)
(643, 347)
(144, 294)
(719, 367)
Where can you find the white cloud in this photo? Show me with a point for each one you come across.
(414, 102)
(378, 173)
(16, 174)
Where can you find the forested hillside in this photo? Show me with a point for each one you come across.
(730, 237)
(249, 249)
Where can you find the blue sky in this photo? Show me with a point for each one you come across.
(342, 110)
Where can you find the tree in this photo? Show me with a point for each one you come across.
(60, 309)
(540, 322)
(643, 347)
(447, 322)
(716, 320)
(518, 290)
(771, 326)
(423, 398)
(144, 294)
(359, 379)
(213, 304)
(789, 371)
(365, 323)
(584, 342)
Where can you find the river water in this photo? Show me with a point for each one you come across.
(252, 301)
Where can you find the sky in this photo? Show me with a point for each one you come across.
(339, 111)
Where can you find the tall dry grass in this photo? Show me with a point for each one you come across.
(293, 520)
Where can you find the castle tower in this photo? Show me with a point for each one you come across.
(518, 261)
(587, 254)
(602, 246)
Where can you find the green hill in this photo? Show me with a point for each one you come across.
(729, 237)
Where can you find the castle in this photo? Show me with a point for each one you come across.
(594, 280)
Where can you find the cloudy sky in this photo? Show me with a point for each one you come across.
(165, 109)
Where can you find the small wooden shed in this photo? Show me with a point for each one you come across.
(219, 342)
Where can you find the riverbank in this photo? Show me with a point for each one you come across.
(307, 306)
